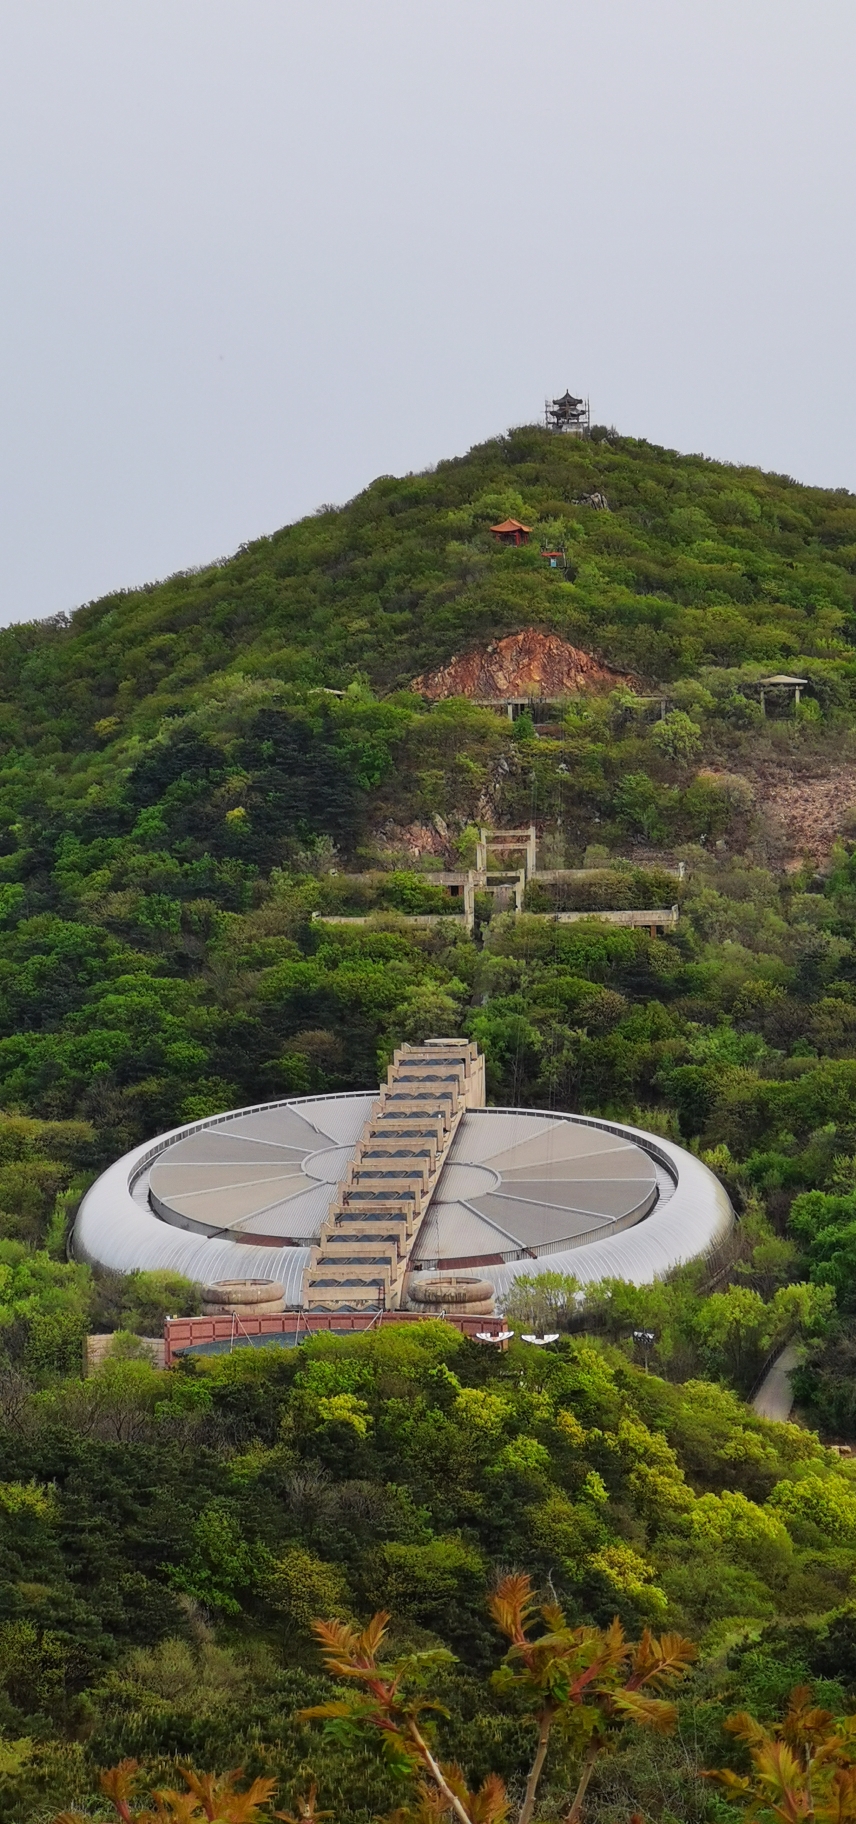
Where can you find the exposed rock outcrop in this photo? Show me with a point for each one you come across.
(525, 664)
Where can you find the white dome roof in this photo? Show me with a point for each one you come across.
(243, 1195)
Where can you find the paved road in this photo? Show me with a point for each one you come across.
(774, 1398)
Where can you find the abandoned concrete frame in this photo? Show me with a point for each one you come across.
(510, 883)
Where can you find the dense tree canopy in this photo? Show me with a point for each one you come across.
(167, 1541)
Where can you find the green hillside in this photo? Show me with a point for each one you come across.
(181, 789)
(177, 787)
(696, 563)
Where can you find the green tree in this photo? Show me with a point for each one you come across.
(678, 736)
(149, 1298)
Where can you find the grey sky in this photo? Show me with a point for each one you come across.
(256, 252)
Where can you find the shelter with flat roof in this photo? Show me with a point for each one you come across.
(781, 682)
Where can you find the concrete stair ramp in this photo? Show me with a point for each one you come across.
(363, 1253)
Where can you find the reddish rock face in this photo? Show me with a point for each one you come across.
(526, 664)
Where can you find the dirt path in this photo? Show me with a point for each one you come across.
(774, 1399)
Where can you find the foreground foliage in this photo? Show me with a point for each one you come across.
(166, 1539)
(802, 1768)
(589, 1682)
(220, 1799)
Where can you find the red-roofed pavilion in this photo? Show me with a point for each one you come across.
(511, 532)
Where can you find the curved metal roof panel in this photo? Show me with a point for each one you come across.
(224, 1198)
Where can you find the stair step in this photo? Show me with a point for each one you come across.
(409, 1127)
(370, 1217)
(406, 1146)
(354, 1247)
(374, 1238)
(325, 1277)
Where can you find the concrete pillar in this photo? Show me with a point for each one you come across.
(470, 901)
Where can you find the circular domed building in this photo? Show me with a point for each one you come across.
(357, 1201)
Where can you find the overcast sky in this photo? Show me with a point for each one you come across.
(256, 252)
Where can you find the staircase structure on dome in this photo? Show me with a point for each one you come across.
(568, 414)
(366, 1241)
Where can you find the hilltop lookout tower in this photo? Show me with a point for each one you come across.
(568, 414)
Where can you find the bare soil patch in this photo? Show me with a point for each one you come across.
(809, 810)
(803, 809)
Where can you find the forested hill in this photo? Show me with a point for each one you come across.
(695, 563)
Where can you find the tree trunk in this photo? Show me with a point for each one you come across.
(575, 1812)
(545, 1725)
(433, 1768)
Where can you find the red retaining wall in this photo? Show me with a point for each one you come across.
(182, 1333)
